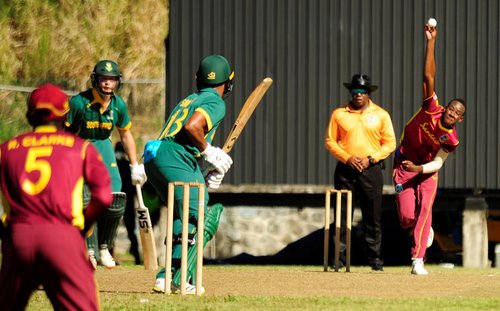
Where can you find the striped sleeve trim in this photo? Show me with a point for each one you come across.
(207, 117)
(126, 127)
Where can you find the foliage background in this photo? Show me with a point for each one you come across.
(59, 41)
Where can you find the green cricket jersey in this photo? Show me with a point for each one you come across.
(173, 156)
(89, 121)
(86, 119)
(207, 102)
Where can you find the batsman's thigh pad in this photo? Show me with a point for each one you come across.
(108, 224)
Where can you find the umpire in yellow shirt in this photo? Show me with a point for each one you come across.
(360, 135)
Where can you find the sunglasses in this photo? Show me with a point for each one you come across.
(359, 91)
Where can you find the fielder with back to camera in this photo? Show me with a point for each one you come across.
(186, 138)
(41, 177)
(427, 140)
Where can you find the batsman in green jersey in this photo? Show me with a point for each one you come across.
(186, 138)
(93, 115)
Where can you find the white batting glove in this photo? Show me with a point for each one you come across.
(220, 160)
(214, 179)
(138, 174)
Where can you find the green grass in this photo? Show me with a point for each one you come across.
(466, 296)
(136, 301)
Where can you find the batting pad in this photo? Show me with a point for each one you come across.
(108, 224)
(212, 217)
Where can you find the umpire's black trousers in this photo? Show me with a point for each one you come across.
(366, 189)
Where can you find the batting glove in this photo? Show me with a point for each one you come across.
(214, 179)
(220, 160)
(138, 174)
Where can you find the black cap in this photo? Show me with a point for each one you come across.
(360, 81)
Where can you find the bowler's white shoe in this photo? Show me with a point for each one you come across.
(106, 259)
(417, 267)
(430, 239)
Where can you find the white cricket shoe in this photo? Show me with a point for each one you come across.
(106, 259)
(430, 239)
(92, 259)
(190, 289)
(159, 285)
(417, 267)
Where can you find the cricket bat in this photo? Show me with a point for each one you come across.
(246, 112)
(146, 233)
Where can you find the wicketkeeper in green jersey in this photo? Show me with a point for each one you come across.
(93, 115)
(186, 139)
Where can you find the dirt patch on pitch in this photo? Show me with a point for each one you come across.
(312, 281)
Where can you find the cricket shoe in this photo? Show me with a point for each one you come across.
(159, 285)
(160, 281)
(430, 239)
(106, 259)
(92, 259)
(190, 289)
(417, 267)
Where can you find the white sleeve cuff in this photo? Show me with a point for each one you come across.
(436, 164)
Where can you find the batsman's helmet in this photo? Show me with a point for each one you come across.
(105, 68)
(215, 70)
(46, 103)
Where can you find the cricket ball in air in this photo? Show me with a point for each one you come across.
(432, 22)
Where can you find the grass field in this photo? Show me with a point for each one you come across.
(303, 288)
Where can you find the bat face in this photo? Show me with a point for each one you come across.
(146, 233)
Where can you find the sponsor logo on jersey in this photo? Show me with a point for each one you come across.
(425, 128)
(443, 138)
(372, 120)
(98, 125)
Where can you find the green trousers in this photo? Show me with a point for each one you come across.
(173, 163)
(105, 147)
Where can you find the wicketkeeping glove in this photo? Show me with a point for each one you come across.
(138, 174)
(213, 179)
(220, 160)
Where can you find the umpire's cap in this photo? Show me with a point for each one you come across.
(360, 81)
(50, 98)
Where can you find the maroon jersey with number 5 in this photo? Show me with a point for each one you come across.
(42, 175)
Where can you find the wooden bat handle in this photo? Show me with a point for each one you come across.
(139, 194)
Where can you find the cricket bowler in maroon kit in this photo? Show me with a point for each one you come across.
(428, 138)
(41, 177)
